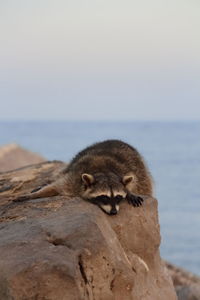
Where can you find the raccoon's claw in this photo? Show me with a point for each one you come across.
(134, 200)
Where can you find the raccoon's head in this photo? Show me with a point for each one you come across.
(106, 191)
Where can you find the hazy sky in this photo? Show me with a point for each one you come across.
(100, 59)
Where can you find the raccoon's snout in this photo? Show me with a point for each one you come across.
(110, 210)
(113, 211)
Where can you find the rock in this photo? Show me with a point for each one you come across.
(191, 292)
(61, 248)
(13, 156)
(187, 284)
(182, 277)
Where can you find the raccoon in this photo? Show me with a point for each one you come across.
(105, 174)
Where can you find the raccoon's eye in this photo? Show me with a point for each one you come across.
(118, 198)
(103, 199)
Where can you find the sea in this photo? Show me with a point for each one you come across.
(172, 153)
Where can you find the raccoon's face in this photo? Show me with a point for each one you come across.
(109, 205)
(105, 191)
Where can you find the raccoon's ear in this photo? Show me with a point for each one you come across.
(88, 179)
(128, 179)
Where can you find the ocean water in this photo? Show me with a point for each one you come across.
(172, 152)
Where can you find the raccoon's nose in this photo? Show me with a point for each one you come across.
(113, 211)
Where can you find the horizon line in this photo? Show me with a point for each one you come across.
(102, 120)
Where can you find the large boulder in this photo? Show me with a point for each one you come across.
(61, 248)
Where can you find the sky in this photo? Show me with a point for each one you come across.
(99, 60)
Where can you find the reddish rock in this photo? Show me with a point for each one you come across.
(61, 248)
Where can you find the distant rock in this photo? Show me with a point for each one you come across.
(13, 156)
(67, 249)
(187, 284)
(191, 292)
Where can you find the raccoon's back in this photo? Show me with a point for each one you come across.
(113, 156)
(116, 150)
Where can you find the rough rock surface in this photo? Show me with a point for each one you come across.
(187, 284)
(60, 248)
(13, 156)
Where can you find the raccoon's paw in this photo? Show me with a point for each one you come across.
(134, 200)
